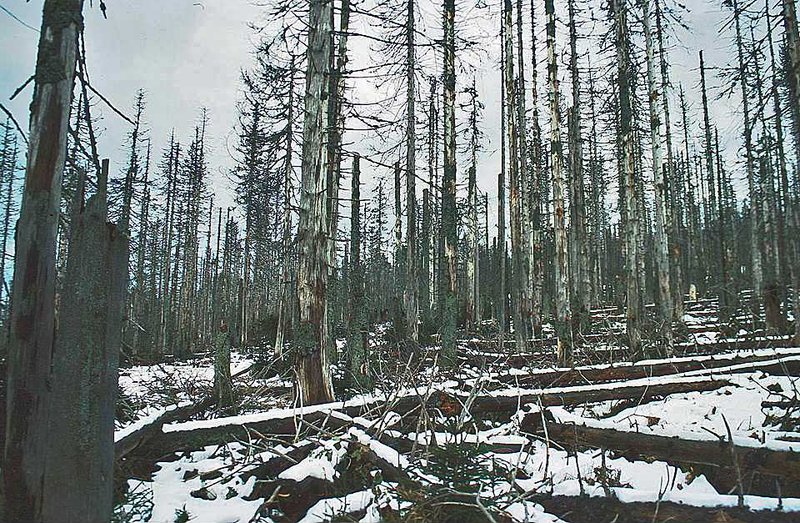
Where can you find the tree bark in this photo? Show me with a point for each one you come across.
(412, 280)
(563, 320)
(661, 239)
(627, 143)
(311, 340)
(32, 319)
(449, 306)
(80, 453)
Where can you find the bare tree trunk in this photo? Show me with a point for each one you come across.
(449, 306)
(792, 74)
(425, 260)
(80, 453)
(286, 239)
(519, 264)
(525, 176)
(357, 341)
(578, 253)
(661, 206)
(563, 321)
(223, 383)
(311, 339)
(412, 278)
(473, 257)
(535, 255)
(501, 204)
(755, 219)
(32, 319)
(631, 232)
(676, 282)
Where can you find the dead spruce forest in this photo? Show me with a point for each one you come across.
(602, 328)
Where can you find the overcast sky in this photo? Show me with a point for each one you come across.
(187, 54)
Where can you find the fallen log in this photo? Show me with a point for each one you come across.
(287, 423)
(129, 442)
(783, 465)
(571, 396)
(630, 371)
(542, 351)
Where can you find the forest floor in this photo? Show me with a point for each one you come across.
(709, 435)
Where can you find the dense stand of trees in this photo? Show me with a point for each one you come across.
(615, 189)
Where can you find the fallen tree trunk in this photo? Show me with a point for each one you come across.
(287, 423)
(128, 443)
(543, 351)
(628, 371)
(780, 465)
(571, 396)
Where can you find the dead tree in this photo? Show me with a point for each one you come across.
(578, 248)
(411, 291)
(448, 305)
(661, 217)
(80, 448)
(357, 339)
(32, 320)
(619, 13)
(563, 319)
(519, 264)
(311, 339)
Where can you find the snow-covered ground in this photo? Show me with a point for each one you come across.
(212, 484)
(358, 460)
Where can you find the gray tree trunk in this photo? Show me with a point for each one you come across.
(579, 257)
(755, 218)
(412, 279)
(518, 250)
(32, 319)
(357, 325)
(661, 237)
(311, 339)
(449, 305)
(627, 143)
(671, 183)
(563, 320)
(80, 451)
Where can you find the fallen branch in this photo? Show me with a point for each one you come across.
(781, 464)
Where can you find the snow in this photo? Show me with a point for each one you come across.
(171, 492)
(701, 416)
(149, 416)
(326, 509)
(690, 416)
(320, 464)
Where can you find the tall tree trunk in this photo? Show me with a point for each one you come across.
(755, 219)
(661, 206)
(792, 74)
(519, 264)
(286, 237)
(627, 143)
(579, 265)
(449, 306)
(357, 324)
(425, 260)
(525, 176)
(670, 183)
(311, 340)
(563, 322)
(501, 204)
(473, 318)
(535, 254)
(32, 319)
(412, 278)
